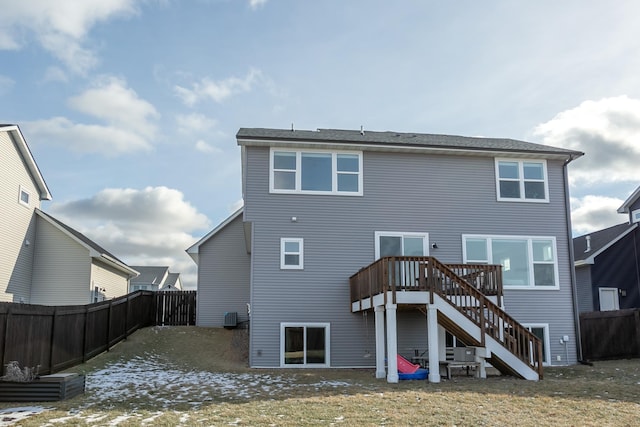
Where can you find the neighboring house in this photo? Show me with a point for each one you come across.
(308, 254)
(42, 260)
(155, 278)
(607, 263)
(71, 269)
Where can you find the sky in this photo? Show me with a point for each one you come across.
(131, 107)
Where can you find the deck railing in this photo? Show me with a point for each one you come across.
(402, 273)
(463, 286)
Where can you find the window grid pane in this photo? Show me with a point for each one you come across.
(311, 171)
(520, 180)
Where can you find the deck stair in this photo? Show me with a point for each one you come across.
(464, 295)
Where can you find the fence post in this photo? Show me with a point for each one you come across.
(4, 341)
(52, 340)
(636, 316)
(109, 324)
(126, 318)
(84, 334)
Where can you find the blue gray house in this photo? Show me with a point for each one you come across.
(354, 247)
(607, 263)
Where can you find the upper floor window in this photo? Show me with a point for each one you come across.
(527, 262)
(316, 172)
(291, 254)
(24, 197)
(635, 215)
(522, 180)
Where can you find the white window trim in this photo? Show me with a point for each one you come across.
(300, 265)
(521, 180)
(547, 340)
(23, 190)
(609, 289)
(334, 173)
(379, 234)
(529, 240)
(635, 216)
(327, 344)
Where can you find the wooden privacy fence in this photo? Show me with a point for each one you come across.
(58, 337)
(610, 334)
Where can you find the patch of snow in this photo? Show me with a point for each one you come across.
(10, 416)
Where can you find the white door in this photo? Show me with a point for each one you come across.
(609, 299)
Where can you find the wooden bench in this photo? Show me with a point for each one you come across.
(449, 364)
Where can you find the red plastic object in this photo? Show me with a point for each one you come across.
(406, 367)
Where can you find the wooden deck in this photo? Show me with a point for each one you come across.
(475, 291)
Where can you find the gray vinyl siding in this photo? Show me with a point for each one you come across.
(223, 276)
(584, 288)
(17, 225)
(114, 282)
(444, 195)
(62, 268)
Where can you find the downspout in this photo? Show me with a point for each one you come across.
(574, 290)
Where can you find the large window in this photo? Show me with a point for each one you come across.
(541, 330)
(527, 262)
(304, 344)
(291, 254)
(522, 180)
(315, 172)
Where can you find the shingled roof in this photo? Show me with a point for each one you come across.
(98, 250)
(599, 242)
(400, 139)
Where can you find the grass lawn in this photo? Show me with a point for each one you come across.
(198, 376)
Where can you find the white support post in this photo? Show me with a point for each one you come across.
(434, 352)
(442, 342)
(380, 366)
(392, 344)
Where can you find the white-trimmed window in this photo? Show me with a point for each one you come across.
(24, 196)
(304, 345)
(316, 172)
(522, 180)
(541, 330)
(527, 262)
(635, 215)
(291, 253)
(388, 243)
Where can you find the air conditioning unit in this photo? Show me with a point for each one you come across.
(230, 319)
(464, 354)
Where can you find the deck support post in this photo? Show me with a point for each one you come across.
(434, 348)
(392, 343)
(379, 319)
(442, 342)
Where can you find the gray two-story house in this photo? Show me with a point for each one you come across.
(353, 247)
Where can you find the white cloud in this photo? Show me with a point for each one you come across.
(60, 26)
(112, 101)
(206, 148)
(6, 84)
(191, 123)
(606, 131)
(592, 213)
(151, 226)
(129, 121)
(257, 4)
(55, 74)
(218, 91)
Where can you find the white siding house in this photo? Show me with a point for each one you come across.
(43, 260)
